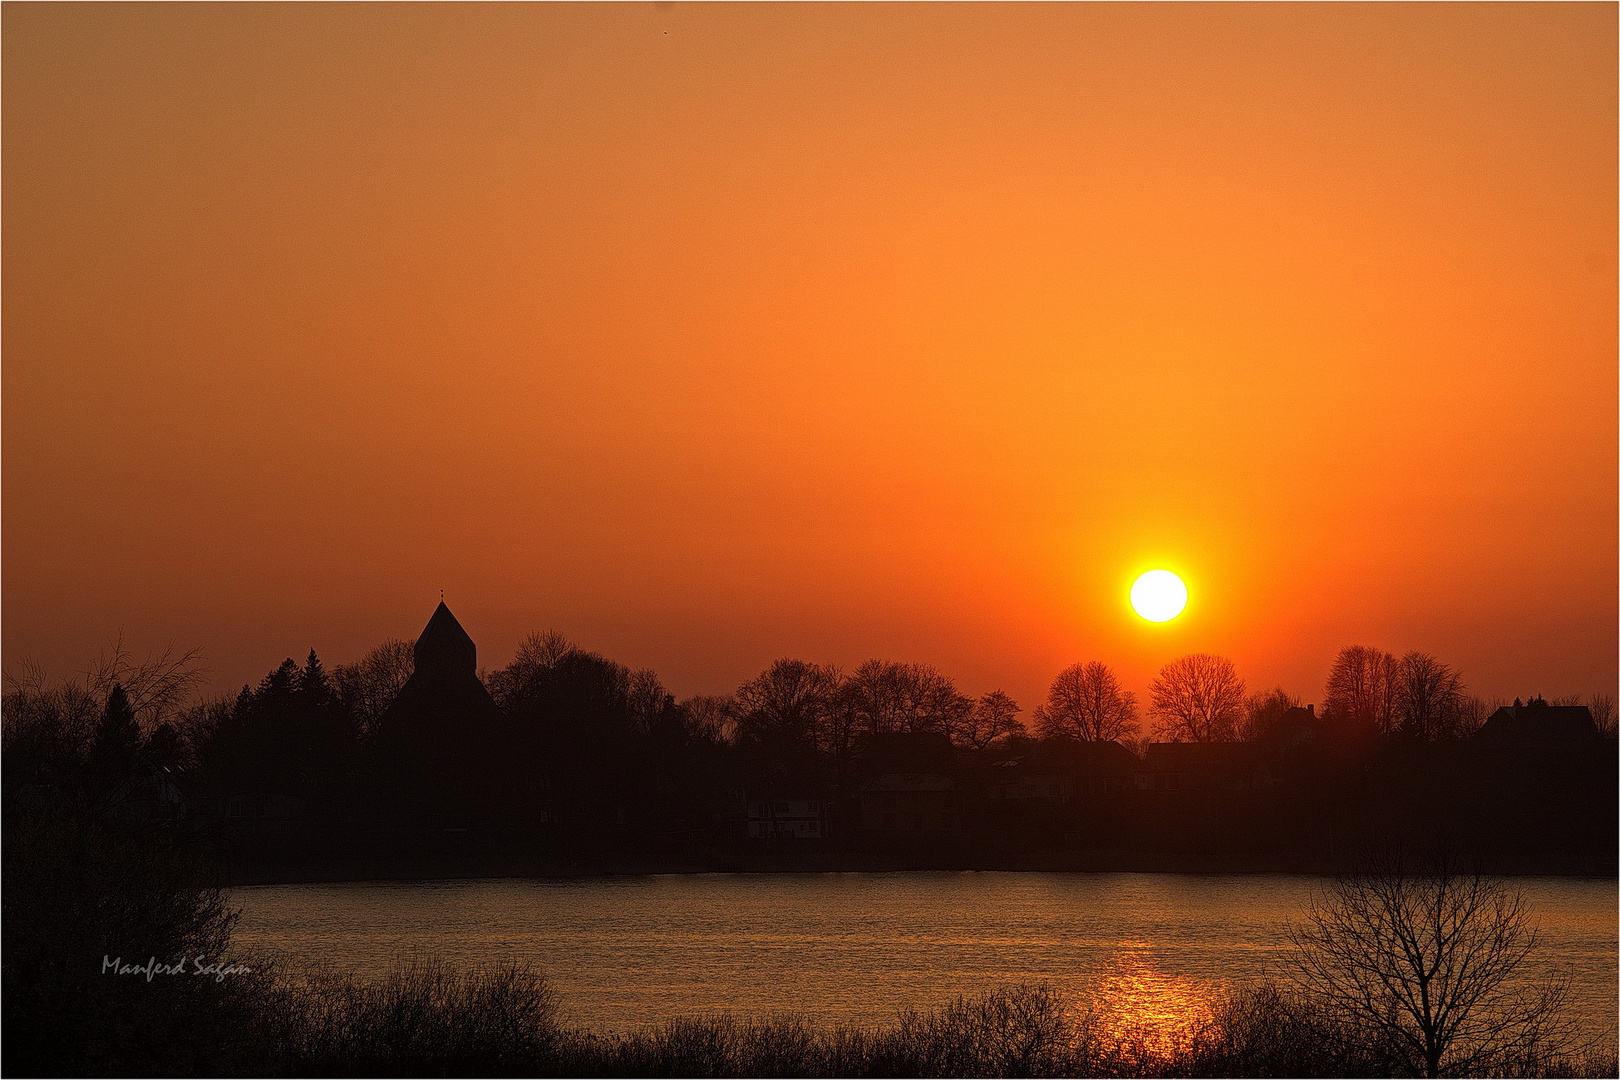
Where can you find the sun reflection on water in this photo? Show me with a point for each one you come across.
(1139, 1006)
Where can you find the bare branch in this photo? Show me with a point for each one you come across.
(1087, 703)
(1198, 698)
(1430, 970)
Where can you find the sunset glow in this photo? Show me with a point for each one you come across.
(864, 539)
(712, 334)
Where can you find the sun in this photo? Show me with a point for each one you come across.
(1158, 596)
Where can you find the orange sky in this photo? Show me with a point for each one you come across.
(713, 334)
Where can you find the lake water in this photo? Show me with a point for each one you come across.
(855, 948)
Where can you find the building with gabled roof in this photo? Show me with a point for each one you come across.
(1536, 725)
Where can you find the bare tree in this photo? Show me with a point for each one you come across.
(873, 699)
(1428, 697)
(1602, 708)
(930, 701)
(198, 726)
(994, 716)
(711, 718)
(1086, 702)
(1426, 969)
(1265, 711)
(46, 725)
(1362, 688)
(788, 703)
(537, 656)
(1472, 712)
(885, 697)
(1197, 698)
(369, 686)
(649, 701)
(51, 722)
(156, 686)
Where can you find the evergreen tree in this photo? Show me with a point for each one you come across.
(277, 689)
(314, 685)
(116, 744)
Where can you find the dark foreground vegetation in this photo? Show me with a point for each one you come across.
(80, 893)
(428, 1021)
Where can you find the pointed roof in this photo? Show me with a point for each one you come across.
(444, 644)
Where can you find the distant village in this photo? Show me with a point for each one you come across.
(564, 761)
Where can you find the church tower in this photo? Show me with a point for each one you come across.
(445, 647)
(441, 736)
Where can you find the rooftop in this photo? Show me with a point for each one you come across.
(445, 644)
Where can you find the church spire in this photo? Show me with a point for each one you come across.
(444, 645)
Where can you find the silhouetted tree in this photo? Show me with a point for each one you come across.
(564, 689)
(571, 702)
(275, 691)
(994, 716)
(537, 657)
(1424, 967)
(873, 700)
(49, 726)
(886, 697)
(1362, 689)
(1472, 712)
(1086, 702)
(313, 684)
(78, 889)
(290, 732)
(711, 718)
(327, 729)
(369, 685)
(932, 702)
(116, 744)
(787, 705)
(1197, 698)
(46, 728)
(1428, 697)
(651, 706)
(198, 726)
(1601, 707)
(155, 687)
(1263, 712)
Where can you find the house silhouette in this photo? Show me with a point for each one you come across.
(1537, 726)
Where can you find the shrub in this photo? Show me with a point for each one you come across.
(424, 1018)
(78, 892)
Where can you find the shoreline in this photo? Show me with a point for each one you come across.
(348, 871)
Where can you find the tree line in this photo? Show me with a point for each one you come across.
(308, 729)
